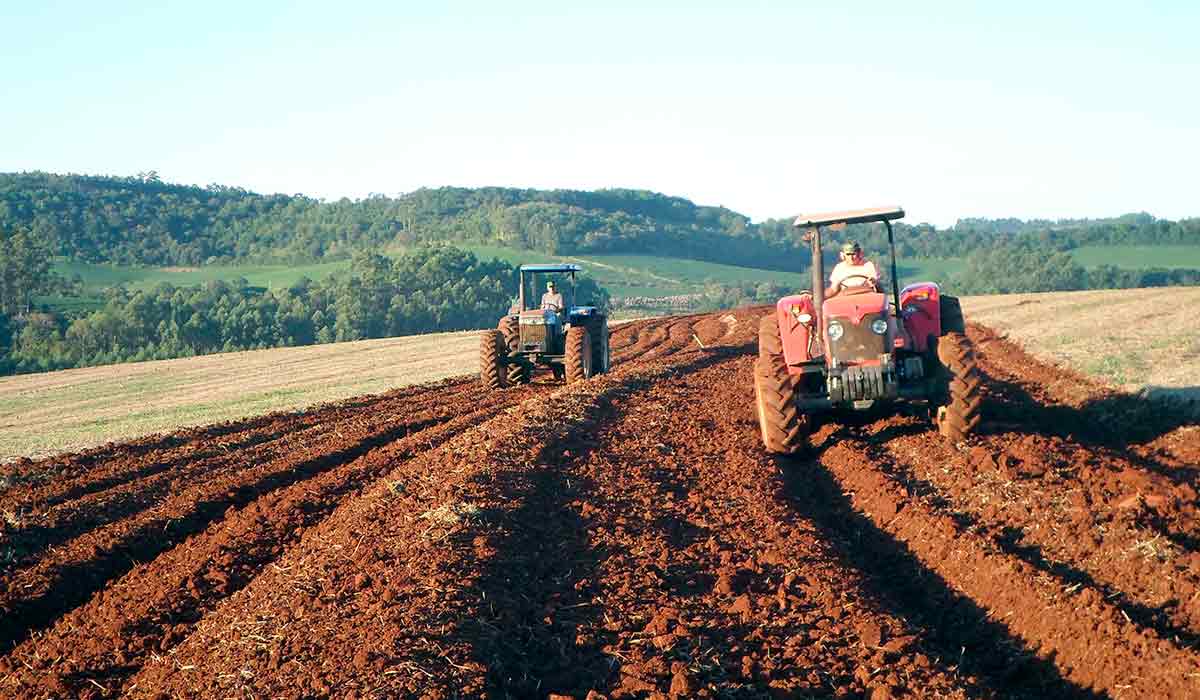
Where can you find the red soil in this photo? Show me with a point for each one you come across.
(625, 537)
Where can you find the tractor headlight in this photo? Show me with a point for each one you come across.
(804, 318)
(835, 330)
(879, 326)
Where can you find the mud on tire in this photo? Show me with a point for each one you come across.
(958, 415)
(491, 359)
(784, 428)
(577, 365)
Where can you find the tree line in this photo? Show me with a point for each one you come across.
(1025, 267)
(145, 221)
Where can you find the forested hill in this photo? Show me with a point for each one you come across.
(141, 220)
(144, 221)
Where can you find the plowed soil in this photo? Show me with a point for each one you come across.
(622, 537)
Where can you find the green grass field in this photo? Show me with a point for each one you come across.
(97, 277)
(1138, 256)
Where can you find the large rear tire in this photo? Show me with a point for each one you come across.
(598, 333)
(769, 342)
(577, 364)
(962, 394)
(783, 427)
(491, 359)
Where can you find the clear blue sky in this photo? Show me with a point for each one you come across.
(952, 109)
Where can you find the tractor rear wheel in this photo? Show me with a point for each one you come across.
(959, 414)
(491, 359)
(952, 315)
(769, 342)
(577, 364)
(598, 332)
(784, 428)
(510, 328)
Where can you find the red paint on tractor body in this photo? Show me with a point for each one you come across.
(854, 306)
(801, 342)
(921, 310)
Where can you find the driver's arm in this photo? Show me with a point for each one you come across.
(876, 278)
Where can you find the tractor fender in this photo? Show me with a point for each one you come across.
(920, 310)
(800, 340)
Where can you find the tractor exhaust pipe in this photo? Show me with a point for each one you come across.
(895, 277)
(818, 277)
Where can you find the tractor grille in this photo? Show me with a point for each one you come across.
(533, 337)
(864, 383)
(859, 342)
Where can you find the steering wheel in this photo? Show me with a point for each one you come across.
(837, 289)
(551, 307)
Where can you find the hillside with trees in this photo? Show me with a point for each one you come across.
(425, 284)
(144, 221)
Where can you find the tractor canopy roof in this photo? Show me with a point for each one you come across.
(854, 216)
(551, 267)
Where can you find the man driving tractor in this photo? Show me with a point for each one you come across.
(552, 300)
(854, 270)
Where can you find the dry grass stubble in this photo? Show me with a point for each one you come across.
(1139, 340)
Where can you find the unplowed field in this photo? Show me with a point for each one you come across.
(624, 537)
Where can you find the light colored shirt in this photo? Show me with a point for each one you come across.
(552, 300)
(845, 270)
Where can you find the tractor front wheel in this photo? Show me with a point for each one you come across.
(510, 328)
(962, 394)
(578, 361)
(491, 359)
(519, 374)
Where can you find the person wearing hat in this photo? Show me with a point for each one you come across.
(552, 300)
(854, 270)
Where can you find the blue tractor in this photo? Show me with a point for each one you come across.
(550, 329)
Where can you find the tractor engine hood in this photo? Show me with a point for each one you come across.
(856, 328)
(539, 329)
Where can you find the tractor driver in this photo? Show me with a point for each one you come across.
(854, 270)
(552, 300)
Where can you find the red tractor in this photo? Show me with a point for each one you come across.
(852, 347)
